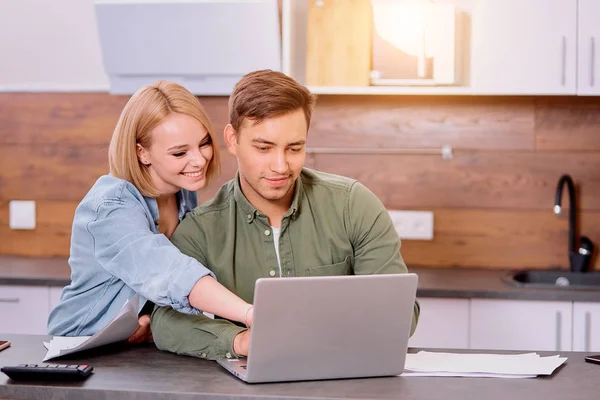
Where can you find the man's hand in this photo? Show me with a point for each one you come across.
(241, 343)
(143, 332)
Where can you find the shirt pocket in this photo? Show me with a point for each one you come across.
(341, 268)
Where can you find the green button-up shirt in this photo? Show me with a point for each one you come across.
(335, 226)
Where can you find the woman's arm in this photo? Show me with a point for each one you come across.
(208, 294)
(126, 247)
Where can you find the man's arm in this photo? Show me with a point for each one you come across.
(376, 242)
(193, 335)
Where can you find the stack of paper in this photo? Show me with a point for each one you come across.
(528, 365)
(119, 329)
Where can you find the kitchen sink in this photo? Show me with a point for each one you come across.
(554, 279)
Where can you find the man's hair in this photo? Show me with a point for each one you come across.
(265, 94)
(144, 111)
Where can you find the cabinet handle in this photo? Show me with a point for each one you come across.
(10, 300)
(564, 61)
(588, 333)
(558, 330)
(592, 59)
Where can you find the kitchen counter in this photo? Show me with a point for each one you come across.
(34, 271)
(142, 372)
(433, 282)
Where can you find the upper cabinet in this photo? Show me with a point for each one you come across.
(482, 47)
(524, 47)
(588, 29)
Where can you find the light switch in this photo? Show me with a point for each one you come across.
(414, 225)
(21, 214)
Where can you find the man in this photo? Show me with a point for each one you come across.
(276, 218)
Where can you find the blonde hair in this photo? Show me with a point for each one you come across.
(145, 110)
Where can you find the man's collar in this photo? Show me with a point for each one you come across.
(250, 211)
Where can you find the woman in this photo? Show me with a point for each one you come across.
(160, 154)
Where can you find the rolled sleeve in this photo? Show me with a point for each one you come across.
(193, 335)
(182, 284)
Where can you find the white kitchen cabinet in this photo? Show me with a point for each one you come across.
(521, 325)
(588, 66)
(586, 326)
(524, 47)
(55, 293)
(443, 323)
(24, 309)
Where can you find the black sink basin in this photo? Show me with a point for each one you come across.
(554, 279)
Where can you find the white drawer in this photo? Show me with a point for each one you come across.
(24, 309)
(55, 293)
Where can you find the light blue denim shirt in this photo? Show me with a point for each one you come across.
(116, 252)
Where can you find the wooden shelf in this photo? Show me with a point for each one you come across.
(294, 24)
(392, 90)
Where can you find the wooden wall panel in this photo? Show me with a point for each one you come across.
(50, 171)
(463, 238)
(75, 118)
(492, 202)
(497, 239)
(524, 180)
(52, 236)
(412, 121)
(64, 118)
(571, 123)
(67, 172)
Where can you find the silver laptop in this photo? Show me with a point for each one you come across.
(330, 327)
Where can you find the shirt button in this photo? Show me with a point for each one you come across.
(203, 355)
(249, 216)
(228, 355)
(272, 273)
(267, 232)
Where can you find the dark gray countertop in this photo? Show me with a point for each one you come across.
(34, 271)
(143, 372)
(433, 282)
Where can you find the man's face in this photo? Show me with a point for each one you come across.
(270, 157)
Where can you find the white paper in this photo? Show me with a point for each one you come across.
(527, 365)
(119, 329)
(466, 375)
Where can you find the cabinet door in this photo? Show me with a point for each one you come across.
(443, 323)
(55, 293)
(521, 325)
(524, 47)
(588, 65)
(586, 326)
(24, 309)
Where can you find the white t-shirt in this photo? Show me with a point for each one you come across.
(276, 232)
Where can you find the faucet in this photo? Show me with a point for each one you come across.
(579, 260)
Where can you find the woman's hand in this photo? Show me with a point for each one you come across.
(143, 332)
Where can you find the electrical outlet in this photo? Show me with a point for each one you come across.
(21, 214)
(416, 225)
